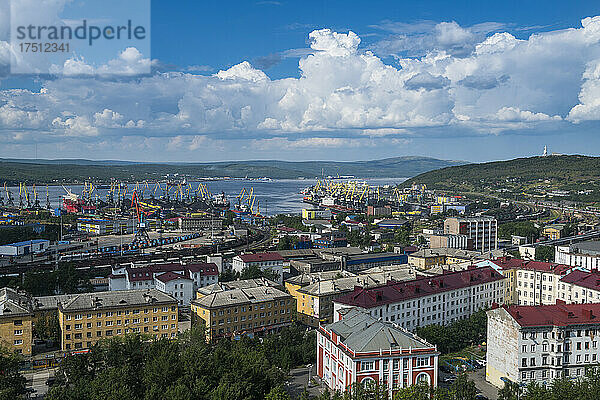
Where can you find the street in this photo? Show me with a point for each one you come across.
(37, 380)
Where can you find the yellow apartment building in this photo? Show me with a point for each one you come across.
(89, 317)
(228, 311)
(16, 321)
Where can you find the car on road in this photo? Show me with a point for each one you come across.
(50, 381)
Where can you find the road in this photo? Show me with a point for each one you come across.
(298, 380)
(483, 386)
(37, 380)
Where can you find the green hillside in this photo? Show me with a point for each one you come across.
(71, 171)
(534, 177)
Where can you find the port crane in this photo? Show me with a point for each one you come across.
(141, 234)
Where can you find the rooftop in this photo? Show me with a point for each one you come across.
(517, 263)
(589, 280)
(258, 257)
(443, 251)
(240, 296)
(13, 303)
(116, 299)
(170, 276)
(240, 284)
(306, 279)
(26, 243)
(559, 314)
(394, 292)
(362, 333)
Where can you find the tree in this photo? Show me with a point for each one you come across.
(518, 228)
(419, 391)
(12, 383)
(402, 236)
(544, 253)
(47, 327)
(277, 393)
(136, 367)
(462, 388)
(254, 272)
(287, 242)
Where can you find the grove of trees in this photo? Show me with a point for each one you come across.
(457, 335)
(134, 367)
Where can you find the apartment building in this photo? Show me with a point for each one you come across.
(427, 258)
(483, 231)
(440, 299)
(265, 261)
(451, 241)
(176, 279)
(16, 321)
(583, 254)
(541, 343)
(580, 286)
(531, 282)
(189, 224)
(360, 348)
(235, 311)
(87, 318)
(314, 300)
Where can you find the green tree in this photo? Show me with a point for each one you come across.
(12, 383)
(254, 271)
(544, 253)
(463, 389)
(277, 393)
(420, 391)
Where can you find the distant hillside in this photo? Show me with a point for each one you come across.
(523, 177)
(62, 171)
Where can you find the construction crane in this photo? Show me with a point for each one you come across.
(36, 202)
(141, 234)
(48, 206)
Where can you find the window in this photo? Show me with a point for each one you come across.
(422, 361)
(367, 365)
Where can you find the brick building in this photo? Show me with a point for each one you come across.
(360, 348)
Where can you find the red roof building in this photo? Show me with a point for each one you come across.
(428, 300)
(260, 257)
(541, 343)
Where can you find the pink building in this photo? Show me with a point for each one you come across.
(360, 348)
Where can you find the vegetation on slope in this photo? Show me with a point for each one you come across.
(522, 178)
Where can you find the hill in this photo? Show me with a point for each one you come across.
(70, 171)
(569, 177)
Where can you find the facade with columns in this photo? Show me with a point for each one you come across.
(359, 349)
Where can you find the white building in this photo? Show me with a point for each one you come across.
(580, 287)
(483, 231)
(541, 343)
(540, 283)
(424, 301)
(584, 254)
(531, 282)
(177, 285)
(265, 261)
(197, 275)
(25, 247)
(361, 349)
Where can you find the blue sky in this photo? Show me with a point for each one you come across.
(221, 34)
(337, 80)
